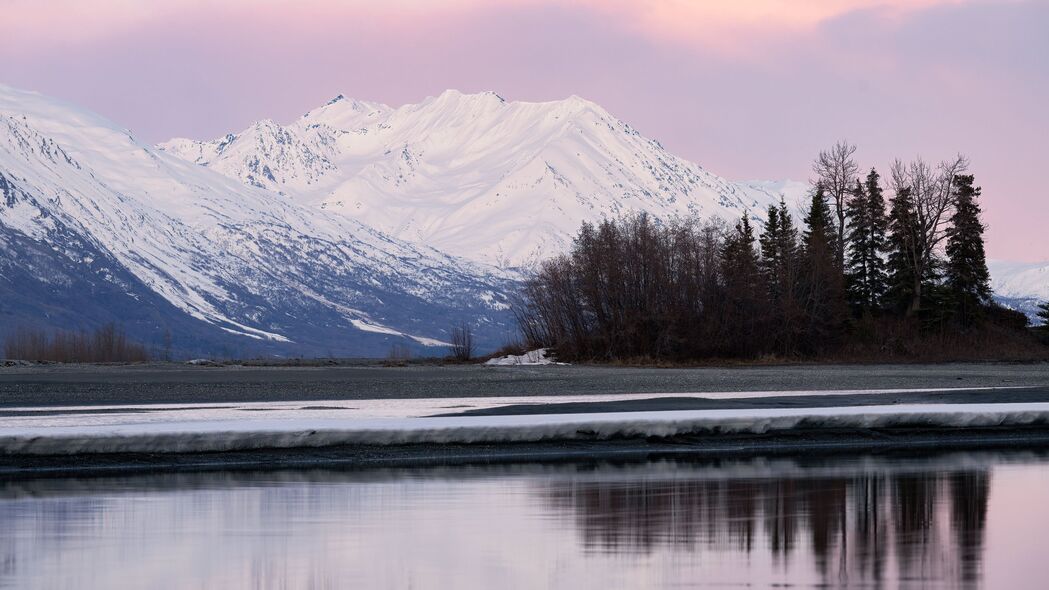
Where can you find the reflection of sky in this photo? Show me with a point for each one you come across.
(509, 527)
(747, 88)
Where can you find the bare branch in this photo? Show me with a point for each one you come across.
(836, 171)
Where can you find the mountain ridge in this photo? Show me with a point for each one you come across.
(507, 183)
(233, 259)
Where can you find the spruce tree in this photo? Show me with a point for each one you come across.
(858, 247)
(823, 281)
(744, 290)
(967, 280)
(901, 252)
(769, 241)
(866, 276)
(779, 263)
(879, 230)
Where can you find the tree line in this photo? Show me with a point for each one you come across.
(856, 271)
(106, 344)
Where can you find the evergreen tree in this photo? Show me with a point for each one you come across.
(901, 250)
(770, 256)
(822, 280)
(779, 263)
(866, 277)
(745, 290)
(967, 279)
(857, 261)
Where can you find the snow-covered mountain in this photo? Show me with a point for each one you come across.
(96, 226)
(475, 175)
(1020, 285)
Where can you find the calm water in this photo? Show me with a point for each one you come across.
(960, 520)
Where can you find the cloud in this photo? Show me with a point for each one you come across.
(702, 22)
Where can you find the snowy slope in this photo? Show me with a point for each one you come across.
(1020, 285)
(474, 175)
(95, 203)
(1020, 279)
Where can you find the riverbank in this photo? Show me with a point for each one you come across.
(802, 443)
(109, 419)
(113, 439)
(170, 383)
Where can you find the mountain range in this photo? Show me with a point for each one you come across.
(355, 228)
(500, 182)
(1020, 285)
(96, 226)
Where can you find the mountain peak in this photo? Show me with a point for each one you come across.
(346, 113)
(498, 181)
(455, 97)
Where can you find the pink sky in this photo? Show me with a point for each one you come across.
(749, 89)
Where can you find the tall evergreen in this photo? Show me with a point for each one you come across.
(745, 291)
(901, 251)
(866, 276)
(770, 255)
(779, 263)
(967, 280)
(779, 250)
(823, 282)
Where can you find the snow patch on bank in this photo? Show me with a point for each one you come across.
(533, 357)
(240, 435)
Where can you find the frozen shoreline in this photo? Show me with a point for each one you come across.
(495, 437)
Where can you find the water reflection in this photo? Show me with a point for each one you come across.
(858, 522)
(925, 525)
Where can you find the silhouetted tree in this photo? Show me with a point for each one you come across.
(968, 283)
(931, 200)
(780, 264)
(745, 292)
(867, 281)
(836, 170)
(823, 283)
(900, 265)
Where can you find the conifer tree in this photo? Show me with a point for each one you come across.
(770, 256)
(822, 279)
(968, 282)
(866, 277)
(779, 262)
(879, 229)
(901, 252)
(745, 290)
(858, 246)
(779, 250)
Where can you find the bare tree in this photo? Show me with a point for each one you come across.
(106, 344)
(399, 352)
(836, 171)
(462, 342)
(931, 192)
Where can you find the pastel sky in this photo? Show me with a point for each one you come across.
(747, 88)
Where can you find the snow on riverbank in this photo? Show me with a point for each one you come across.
(237, 435)
(531, 358)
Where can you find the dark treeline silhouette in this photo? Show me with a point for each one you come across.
(107, 344)
(854, 276)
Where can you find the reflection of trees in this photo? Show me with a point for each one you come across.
(918, 526)
(969, 492)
